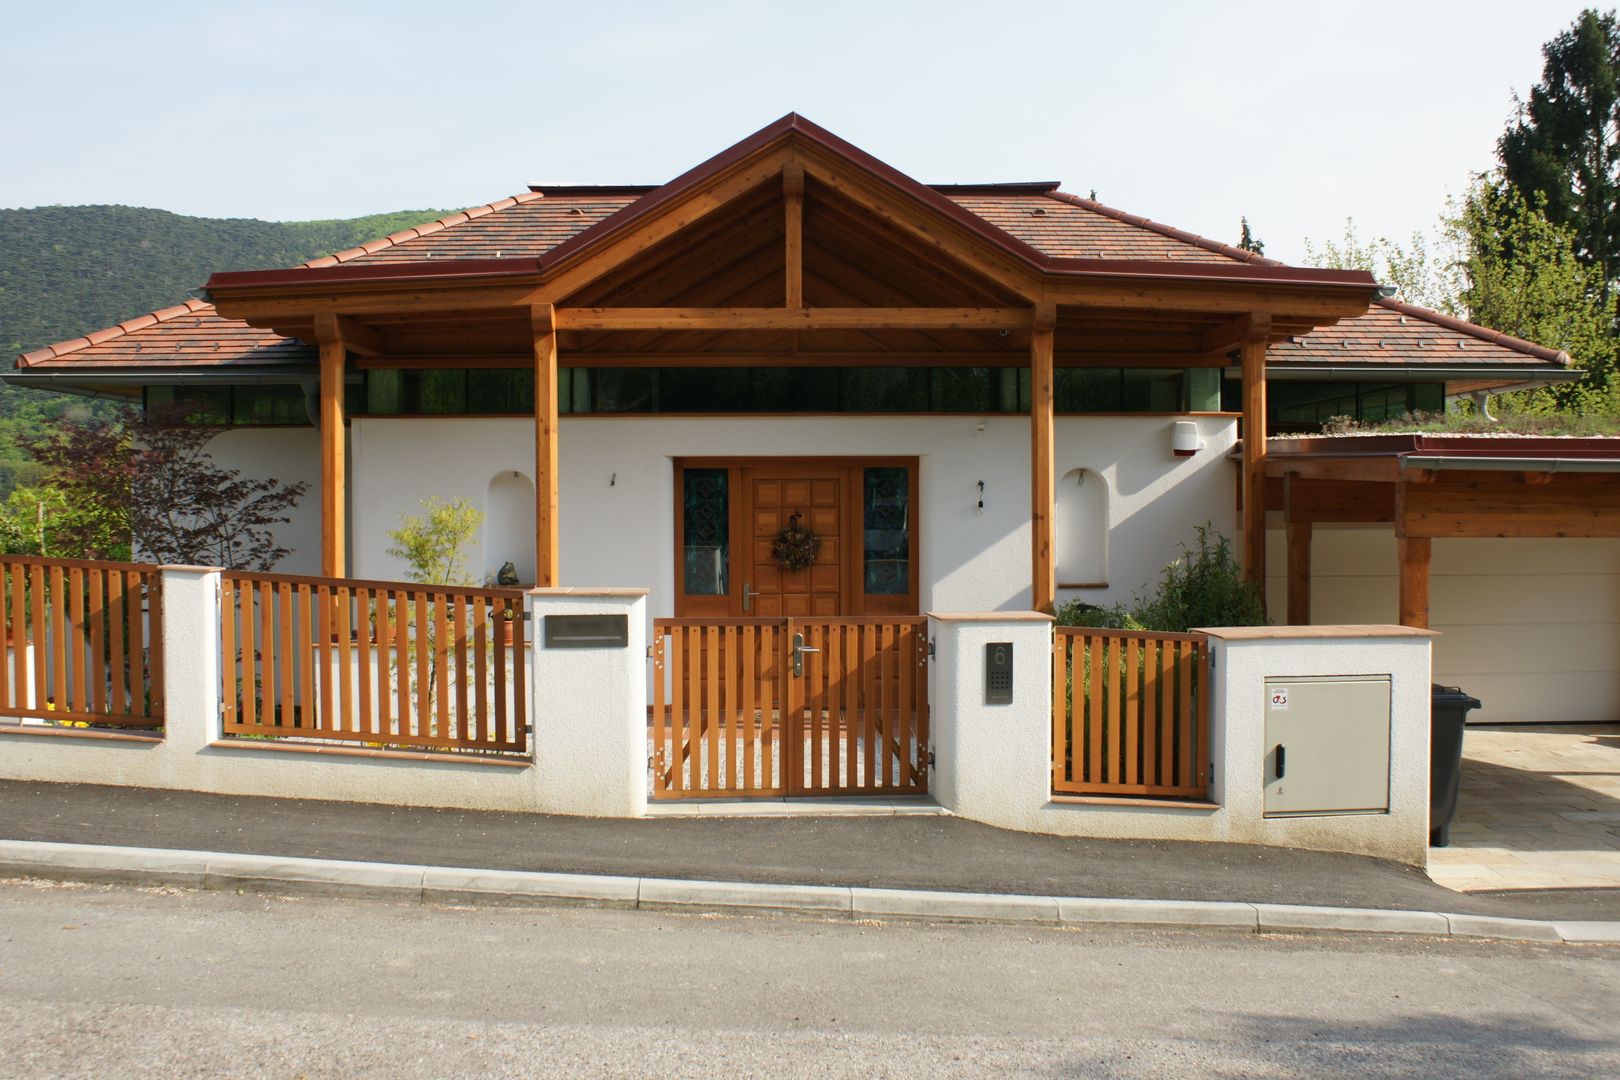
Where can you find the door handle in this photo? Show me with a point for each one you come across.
(1282, 760)
(748, 595)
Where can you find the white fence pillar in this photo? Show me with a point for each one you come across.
(588, 705)
(992, 763)
(191, 662)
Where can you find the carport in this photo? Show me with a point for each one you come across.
(1540, 805)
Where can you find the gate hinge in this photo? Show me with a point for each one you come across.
(930, 757)
(930, 648)
(649, 652)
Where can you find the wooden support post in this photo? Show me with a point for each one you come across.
(1043, 458)
(793, 209)
(1254, 450)
(1299, 573)
(334, 474)
(1414, 555)
(545, 445)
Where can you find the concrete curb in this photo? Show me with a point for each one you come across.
(437, 884)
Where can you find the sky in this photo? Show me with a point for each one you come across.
(1297, 115)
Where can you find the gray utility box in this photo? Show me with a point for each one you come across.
(1327, 745)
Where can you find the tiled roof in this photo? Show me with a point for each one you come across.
(531, 223)
(1396, 334)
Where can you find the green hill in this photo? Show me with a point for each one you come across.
(68, 270)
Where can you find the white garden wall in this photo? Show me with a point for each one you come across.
(288, 454)
(617, 490)
(1531, 627)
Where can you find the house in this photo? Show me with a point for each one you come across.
(978, 397)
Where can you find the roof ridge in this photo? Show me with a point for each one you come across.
(1229, 250)
(1474, 330)
(192, 306)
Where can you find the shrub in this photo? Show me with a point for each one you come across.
(435, 546)
(1204, 586)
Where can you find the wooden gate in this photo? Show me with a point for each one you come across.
(800, 706)
(1130, 713)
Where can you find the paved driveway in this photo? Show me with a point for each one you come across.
(1539, 809)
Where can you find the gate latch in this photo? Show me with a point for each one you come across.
(799, 649)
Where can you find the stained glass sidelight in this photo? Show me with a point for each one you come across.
(886, 522)
(705, 508)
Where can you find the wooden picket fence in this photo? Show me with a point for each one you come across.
(84, 642)
(385, 664)
(1130, 713)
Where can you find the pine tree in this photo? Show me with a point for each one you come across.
(1562, 150)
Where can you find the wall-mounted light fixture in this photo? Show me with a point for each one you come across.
(981, 496)
(1184, 440)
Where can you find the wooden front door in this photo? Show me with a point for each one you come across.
(729, 512)
(778, 496)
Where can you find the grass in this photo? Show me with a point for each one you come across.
(1550, 424)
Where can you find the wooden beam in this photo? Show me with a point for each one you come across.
(1370, 468)
(334, 474)
(1043, 459)
(858, 318)
(1505, 507)
(1307, 501)
(360, 339)
(1414, 553)
(1224, 336)
(876, 358)
(1254, 451)
(1299, 573)
(545, 445)
(1296, 304)
(793, 218)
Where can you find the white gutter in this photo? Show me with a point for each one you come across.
(1442, 462)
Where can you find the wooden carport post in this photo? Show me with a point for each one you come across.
(1414, 554)
(1254, 450)
(334, 477)
(1043, 457)
(544, 324)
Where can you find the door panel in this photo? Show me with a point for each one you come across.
(776, 496)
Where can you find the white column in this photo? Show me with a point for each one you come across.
(589, 708)
(191, 661)
(992, 763)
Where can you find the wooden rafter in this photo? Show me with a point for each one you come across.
(860, 318)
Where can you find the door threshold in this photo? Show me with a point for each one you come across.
(802, 806)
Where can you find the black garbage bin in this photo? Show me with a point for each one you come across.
(1448, 712)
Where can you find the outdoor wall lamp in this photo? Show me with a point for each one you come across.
(981, 496)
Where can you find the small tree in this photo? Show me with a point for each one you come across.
(185, 508)
(434, 546)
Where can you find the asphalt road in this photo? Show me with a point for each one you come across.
(115, 981)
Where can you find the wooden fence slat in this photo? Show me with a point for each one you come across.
(363, 652)
(230, 667)
(520, 694)
(95, 583)
(136, 599)
(59, 639)
(677, 708)
(42, 687)
(119, 703)
(19, 640)
(502, 656)
(401, 631)
(154, 594)
(78, 685)
(303, 644)
(458, 638)
(1150, 713)
(482, 728)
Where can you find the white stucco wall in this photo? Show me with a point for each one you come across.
(617, 490)
(1531, 627)
(288, 454)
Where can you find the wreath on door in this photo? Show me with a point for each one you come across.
(795, 547)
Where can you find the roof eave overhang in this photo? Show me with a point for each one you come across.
(1423, 372)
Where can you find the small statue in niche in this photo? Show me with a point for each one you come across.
(507, 574)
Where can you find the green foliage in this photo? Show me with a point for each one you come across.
(434, 546)
(1561, 151)
(1420, 279)
(1204, 586)
(1466, 420)
(69, 270)
(1520, 273)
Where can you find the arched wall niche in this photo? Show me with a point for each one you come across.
(1081, 527)
(509, 525)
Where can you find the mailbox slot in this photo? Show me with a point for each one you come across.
(587, 631)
